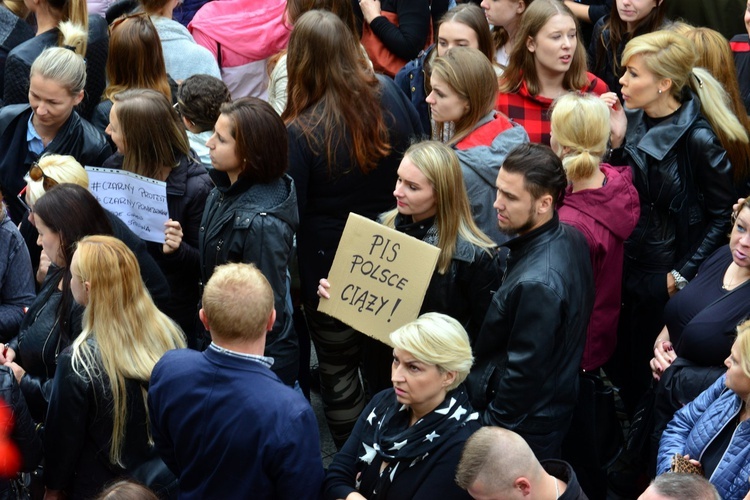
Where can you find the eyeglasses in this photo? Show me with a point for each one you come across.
(121, 19)
(37, 174)
(176, 107)
(22, 198)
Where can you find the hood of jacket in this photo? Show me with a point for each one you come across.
(253, 29)
(616, 205)
(255, 197)
(485, 149)
(658, 141)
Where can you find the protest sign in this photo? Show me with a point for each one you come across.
(138, 201)
(379, 278)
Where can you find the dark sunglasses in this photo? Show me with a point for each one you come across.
(37, 174)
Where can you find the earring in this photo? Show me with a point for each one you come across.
(660, 91)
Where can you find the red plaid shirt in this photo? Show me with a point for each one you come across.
(532, 112)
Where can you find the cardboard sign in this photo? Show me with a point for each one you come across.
(379, 278)
(138, 201)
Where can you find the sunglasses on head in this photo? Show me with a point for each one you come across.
(37, 174)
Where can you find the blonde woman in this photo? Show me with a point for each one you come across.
(684, 180)
(602, 203)
(105, 374)
(408, 441)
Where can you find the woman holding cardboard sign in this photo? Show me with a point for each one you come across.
(431, 205)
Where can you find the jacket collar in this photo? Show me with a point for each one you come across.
(520, 243)
(221, 180)
(659, 140)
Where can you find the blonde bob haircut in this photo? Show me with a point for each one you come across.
(437, 339)
(670, 56)
(63, 169)
(743, 341)
(580, 123)
(470, 74)
(237, 302)
(128, 339)
(522, 63)
(63, 66)
(440, 165)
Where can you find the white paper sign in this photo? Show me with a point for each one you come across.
(138, 201)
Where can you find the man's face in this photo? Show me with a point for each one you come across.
(516, 208)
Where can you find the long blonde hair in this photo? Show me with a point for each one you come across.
(669, 55)
(129, 333)
(440, 165)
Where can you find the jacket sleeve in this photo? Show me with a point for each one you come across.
(277, 86)
(410, 36)
(18, 288)
(190, 220)
(674, 438)
(296, 467)
(24, 434)
(532, 341)
(66, 425)
(712, 176)
(159, 429)
(342, 473)
(300, 165)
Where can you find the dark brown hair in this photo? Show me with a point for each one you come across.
(329, 77)
(199, 99)
(342, 8)
(261, 139)
(542, 170)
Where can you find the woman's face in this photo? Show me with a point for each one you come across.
(77, 286)
(224, 148)
(49, 241)
(505, 13)
(414, 194)
(445, 103)
(418, 384)
(554, 46)
(51, 103)
(736, 380)
(114, 130)
(634, 11)
(640, 87)
(739, 240)
(455, 34)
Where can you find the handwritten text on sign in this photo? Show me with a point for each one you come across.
(378, 278)
(138, 201)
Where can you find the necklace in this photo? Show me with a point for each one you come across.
(731, 285)
(557, 488)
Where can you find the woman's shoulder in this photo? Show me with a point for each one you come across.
(29, 50)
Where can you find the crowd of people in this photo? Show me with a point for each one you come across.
(582, 167)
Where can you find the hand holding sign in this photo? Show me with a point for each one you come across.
(378, 279)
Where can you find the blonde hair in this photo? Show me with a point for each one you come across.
(237, 302)
(453, 219)
(580, 122)
(65, 67)
(470, 74)
(669, 55)
(17, 7)
(63, 169)
(126, 340)
(437, 339)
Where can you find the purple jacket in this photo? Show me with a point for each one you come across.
(606, 216)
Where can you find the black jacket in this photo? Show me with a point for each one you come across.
(13, 32)
(525, 377)
(23, 433)
(684, 180)
(188, 186)
(77, 138)
(245, 222)
(20, 59)
(79, 429)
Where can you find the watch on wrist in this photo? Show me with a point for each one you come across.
(679, 281)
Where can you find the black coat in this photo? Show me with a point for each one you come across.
(525, 377)
(245, 222)
(13, 32)
(77, 138)
(20, 59)
(684, 180)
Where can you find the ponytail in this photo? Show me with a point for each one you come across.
(715, 107)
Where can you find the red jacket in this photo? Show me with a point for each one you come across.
(532, 111)
(606, 216)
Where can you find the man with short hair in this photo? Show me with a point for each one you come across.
(497, 464)
(529, 347)
(673, 486)
(221, 420)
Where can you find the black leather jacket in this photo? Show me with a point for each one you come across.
(525, 377)
(246, 222)
(684, 180)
